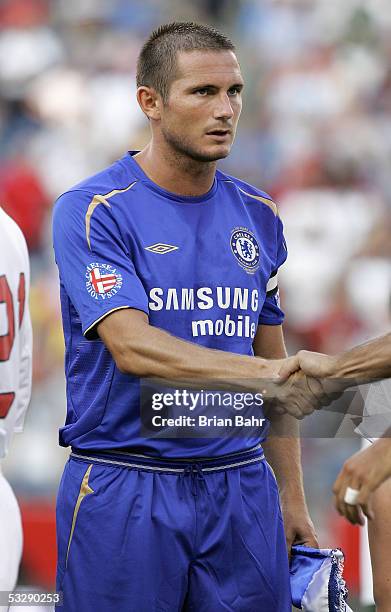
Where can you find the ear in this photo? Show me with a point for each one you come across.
(150, 102)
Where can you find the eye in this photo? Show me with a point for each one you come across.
(203, 91)
(233, 91)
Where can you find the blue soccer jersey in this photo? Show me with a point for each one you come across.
(202, 268)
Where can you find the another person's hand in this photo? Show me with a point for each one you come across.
(281, 396)
(320, 371)
(362, 473)
(272, 367)
(298, 396)
(317, 365)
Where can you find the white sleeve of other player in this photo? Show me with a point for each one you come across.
(15, 331)
(26, 356)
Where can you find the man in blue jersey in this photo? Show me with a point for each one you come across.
(168, 268)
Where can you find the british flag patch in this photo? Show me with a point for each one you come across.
(102, 281)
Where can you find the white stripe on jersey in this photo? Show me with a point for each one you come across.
(15, 331)
(272, 283)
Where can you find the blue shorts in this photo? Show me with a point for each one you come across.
(136, 534)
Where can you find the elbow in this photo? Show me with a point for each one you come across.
(128, 336)
(122, 364)
(131, 360)
(127, 365)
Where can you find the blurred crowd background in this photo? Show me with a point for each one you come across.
(315, 133)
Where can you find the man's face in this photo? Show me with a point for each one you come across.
(200, 116)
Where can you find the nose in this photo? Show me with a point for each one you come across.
(223, 108)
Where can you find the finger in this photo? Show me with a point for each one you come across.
(354, 514)
(271, 407)
(339, 481)
(311, 389)
(296, 398)
(289, 543)
(322, 391)
(326, 400)
(339, 490)
(339, 505)
(315, 387)
(345, 479)
(311, 363)
(333, 389)
(289, 366)
(278, 410)
(348, 511)
(316, 364)
(365, 502)
(306, 405)
(311, 541)
(361, 515)
(351, 512)
(294, 411)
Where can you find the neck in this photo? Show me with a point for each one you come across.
(174, 171)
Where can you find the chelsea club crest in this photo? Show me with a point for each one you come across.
(245, 248)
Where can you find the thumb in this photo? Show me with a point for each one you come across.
(289, 366)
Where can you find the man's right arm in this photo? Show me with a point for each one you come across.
(140, 349)
(362, 364)
(365, 363)
(90, 249)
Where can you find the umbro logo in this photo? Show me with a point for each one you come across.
(161, 248)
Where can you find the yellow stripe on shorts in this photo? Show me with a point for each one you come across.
(85, 490)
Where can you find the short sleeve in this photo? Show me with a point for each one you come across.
(25, 344)
(95, 266)
(271, 313)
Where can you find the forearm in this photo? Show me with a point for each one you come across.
(152, 352)
(166, 356)
(282, 448)
(364, 363)
(283, 452)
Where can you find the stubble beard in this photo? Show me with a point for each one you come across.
(183, 149)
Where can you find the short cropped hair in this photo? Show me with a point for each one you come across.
(157, 62)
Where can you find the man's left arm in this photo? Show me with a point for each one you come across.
(283, 451)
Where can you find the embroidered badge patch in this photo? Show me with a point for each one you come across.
(102, 281)
(245, 248)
